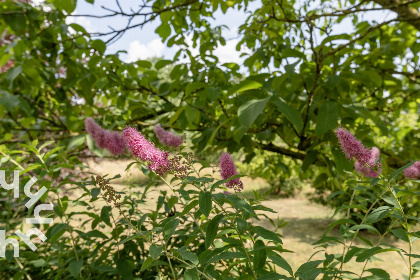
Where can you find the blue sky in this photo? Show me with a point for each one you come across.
(144, 43)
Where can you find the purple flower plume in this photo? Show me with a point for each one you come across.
(167, 138)
(369, 170)
(227, 170)
(413, 172)
(146, 151)
(352, 147)
(105, 139)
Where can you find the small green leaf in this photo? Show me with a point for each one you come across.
(279, 261)
(147, 263)
(95, 192)
(267, 234)
(400, 233)
(378, 214)
(155, 251)
(105, 215)
(188, 255)
(191, 274)
(248, 112)
(169, 228)
(205, 203)
(380, 273)
(327, 117)
(309, 270)
(124, 269)
(291, 114)
(245, 85)
(212, 228)
(75, 267)
(260, 254)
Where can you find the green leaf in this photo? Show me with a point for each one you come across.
(96, 233)
(400, 233)
(191, 274)
(67, 5)
(368, 227)
(95, 192)
(260, 254)
(169, 228)
(398, 171)
(212, 228)
(374, 182)
(188, 255)
(309, 270)
(204, 200)
(245, 85)
(8, 100)
(241, 204)
(291, 114)
(248, 112)
(189, 207)
(382, 274)
(130, 238)
(105, 215)
(327, 117)
(75, 267)
(378, 214)
(267, 234)
(279, 261)
(147, 263)
(155, 251)
(162, 63)
(99, 45)
(76, 142)
(124, 269)
(366, 254)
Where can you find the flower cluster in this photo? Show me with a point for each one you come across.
(372, 168)
(167, 138)
(227, 170)
(352, 147)
(105, 139)
(146, 151)
(413, 172)
(158, 161)
(366, 160)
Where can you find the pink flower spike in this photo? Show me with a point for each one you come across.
(352, 147)
(227, 170)
(413, 172)
(372, 167)
(115, 143)
(105, 139)
(146, 151)
(167, 138)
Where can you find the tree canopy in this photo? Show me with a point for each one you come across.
(302, 77)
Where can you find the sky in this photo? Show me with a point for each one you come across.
(143, 43)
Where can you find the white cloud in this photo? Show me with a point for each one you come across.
(85, 22)
(228, 52)
(137, 51)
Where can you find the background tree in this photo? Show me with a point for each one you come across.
(301, 79)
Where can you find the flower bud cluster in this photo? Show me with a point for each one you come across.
(109, 192)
